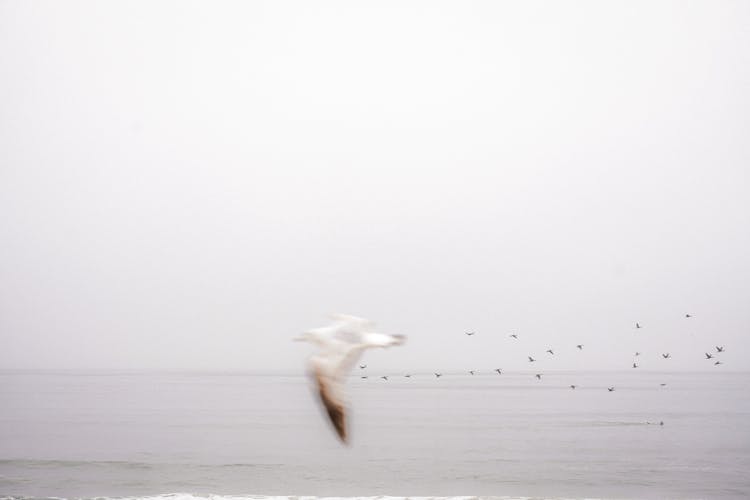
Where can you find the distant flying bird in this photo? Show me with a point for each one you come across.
(709, 356)
(718, 363)
(471, 371)
(362, 367)
(531, 360)
(499, 371)
(550, 351)
(339, 347)
(662, 384)
(719, 348)
(514, 336)
(688, 316)
(637, 325)
(572, 386)
(635, 365)
(580, 347)
(407, 375)
(470, 333)
(538, 376)
(438, 375)
(666, 355)
(610, 389)
(637, 353)
(363, 376)
(384, 377)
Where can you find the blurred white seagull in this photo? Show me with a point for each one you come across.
(340, 346)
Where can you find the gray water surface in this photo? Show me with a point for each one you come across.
(86, 434)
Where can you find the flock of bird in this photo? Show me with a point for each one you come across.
(551, 352)
(341, 344)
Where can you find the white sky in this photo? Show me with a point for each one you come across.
(190, 184)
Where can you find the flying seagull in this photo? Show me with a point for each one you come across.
(538, 376)
(499, 371)
(362, 367)
(666, 355)
(340, 346)
(611, 389)
(663, 384)
(572, 386)
(407, 375)
(637, 325)
(470, 333)
(471, 371)
(551, 351)
(637, 353)
(580, 347)
(718, 363)
(635, 365)
(384, 377)
(719, 348)
(709, 356)
(363, 376)
(514, 336)
(438, 375)
(531, 360)
(688, 316)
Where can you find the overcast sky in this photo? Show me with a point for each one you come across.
(189, 185)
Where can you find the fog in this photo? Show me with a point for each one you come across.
(188, 185)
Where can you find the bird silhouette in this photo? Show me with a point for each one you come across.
(363, 376)
(538, 376)
(635, 365)
(514, 336)
(499, 371)
(719, 348)
(580, 347)
(709, 356)
(471, 371)
(666, 355)
(637, 325)
(384, 377)
(362, 367)
(550, 351)
(637, 353)
(611, 389)
(718, 363)
(572, 386)
(470, 333)
(407, 375)
(531, 360)
(438, 375)
(663, 384)
(688, 316)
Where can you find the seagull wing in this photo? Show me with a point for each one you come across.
(329, 370)
(332, 397)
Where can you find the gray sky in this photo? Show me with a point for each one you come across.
(189, 185)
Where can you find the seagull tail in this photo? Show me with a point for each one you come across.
(399, 339)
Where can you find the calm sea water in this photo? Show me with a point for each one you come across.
(143, 434)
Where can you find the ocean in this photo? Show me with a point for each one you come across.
(186, 436)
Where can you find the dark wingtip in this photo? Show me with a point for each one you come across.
(336, 412)
(341, 433)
